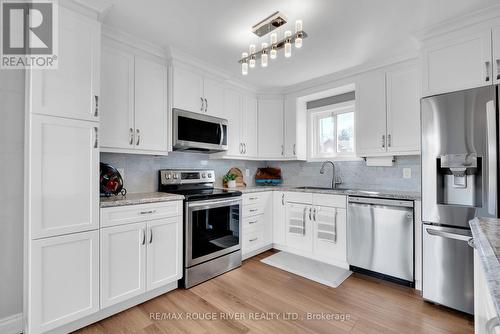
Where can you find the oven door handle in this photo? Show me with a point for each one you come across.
(214, 203)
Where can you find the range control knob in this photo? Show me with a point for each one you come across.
(203, 175)
(209, 175)
(168, 176)
(176, 176)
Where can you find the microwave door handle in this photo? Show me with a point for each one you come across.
(221, 133)
(492, 157)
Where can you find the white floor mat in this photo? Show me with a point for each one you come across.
(323, 273)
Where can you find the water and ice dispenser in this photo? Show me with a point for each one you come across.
(459, 180)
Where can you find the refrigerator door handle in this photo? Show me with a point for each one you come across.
(491, 124)
(449, 235)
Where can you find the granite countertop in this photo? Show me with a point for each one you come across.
(486, 233)
(138, 198)
(347, 192)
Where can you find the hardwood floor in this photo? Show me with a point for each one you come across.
(255, 291)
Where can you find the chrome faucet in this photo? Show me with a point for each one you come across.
(335, 180)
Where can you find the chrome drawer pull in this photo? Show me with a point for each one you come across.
(254, 239)
(253, 222)
(148, 212)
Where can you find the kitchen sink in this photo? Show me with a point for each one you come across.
(314, 188)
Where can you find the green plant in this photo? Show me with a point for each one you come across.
(230, 177)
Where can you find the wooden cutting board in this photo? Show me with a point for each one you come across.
(239, 177)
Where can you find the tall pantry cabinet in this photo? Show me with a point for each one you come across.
(61, 180)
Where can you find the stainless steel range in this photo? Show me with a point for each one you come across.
(212, 224)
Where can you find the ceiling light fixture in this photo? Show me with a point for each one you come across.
(277, 19)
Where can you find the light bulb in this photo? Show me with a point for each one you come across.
(274, 39)
(298, 33)
(298, 26)
(298, 41)
(288, 44)
(252, 59)
(244, 65)
(263, 58)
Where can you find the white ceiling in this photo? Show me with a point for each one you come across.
(342, 33)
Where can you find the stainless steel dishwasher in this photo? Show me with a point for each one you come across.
(380, 238)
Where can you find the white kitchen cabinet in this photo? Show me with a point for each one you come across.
(496, 55)
(388, 111)
(164, 252)
(457, 63)
(279, 218)
(187, 90)
(213, 92)
(270, 125)
(117, 99)
(299, 234)
(151, 121)
(295, 130)
(72, 90)
(485, 315)
(63, 176)
(64, 280)
(257, 229)
(330, 232)
(249, 123)
(134, 115)
(370, 114)
(232, 106)
(403, 110)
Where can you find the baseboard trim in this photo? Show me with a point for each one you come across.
(12, 324)
(257, 251)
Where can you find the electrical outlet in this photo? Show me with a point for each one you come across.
(406, 173)
(122, 172)
(247, 172)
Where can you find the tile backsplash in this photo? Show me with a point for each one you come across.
(141, 171)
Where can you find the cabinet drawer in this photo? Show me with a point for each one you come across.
(298, 197)
(255, 198)
(253, 223)
(335, 201)
(252, 239)
(136, 213)
(252, 210)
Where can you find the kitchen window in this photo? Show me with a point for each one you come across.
(332, 131)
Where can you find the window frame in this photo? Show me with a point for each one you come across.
(313, 117)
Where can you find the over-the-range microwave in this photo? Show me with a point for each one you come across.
(198, 132)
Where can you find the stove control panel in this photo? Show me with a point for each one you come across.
(177, 176)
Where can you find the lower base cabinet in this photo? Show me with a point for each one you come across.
(139, 257)
(257, 227)
(486, 320)
(64, 281)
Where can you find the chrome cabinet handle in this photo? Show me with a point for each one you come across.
(150, 236)
(294, 149)
(201, 109)
(252, 222)
(206, 105)
(253, 198)
(96, 110)
(148, 212)
(254, 239)
(245, 146)
(383, 141)
(282, 149)
(254, 210)
(138, 137)
(96, 131)
(241, 148)
(314, 214)
(389, 140)
(131, 142)
(283, 199)
(487, 63)
(143, 236)
(310, 210)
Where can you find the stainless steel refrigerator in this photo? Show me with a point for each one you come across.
(459, 182)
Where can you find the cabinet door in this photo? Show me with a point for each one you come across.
(213, 92)
(458, 64)
(64, 280)
(403, 110)
(123, 263)
(370, 114)
(187, 88)
(64, 176)
(72, 90)
(164, 252)
(330, 233)
(298, 227)
(249, 131)
(232, 107)
(290, 127)
(496, 55)
(278, 222)
(151, 121)
(270, 125)
(117, 100)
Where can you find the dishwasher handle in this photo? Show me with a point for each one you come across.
(380, 202)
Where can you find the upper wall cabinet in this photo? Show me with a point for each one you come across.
(496, 55)
(134, 116)
(72, 90)
(194, 92)
(295, 127)
(270, 127)
(388, 112)
(457, 63)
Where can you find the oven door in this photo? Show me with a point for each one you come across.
(213, 229)
(199, 132)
